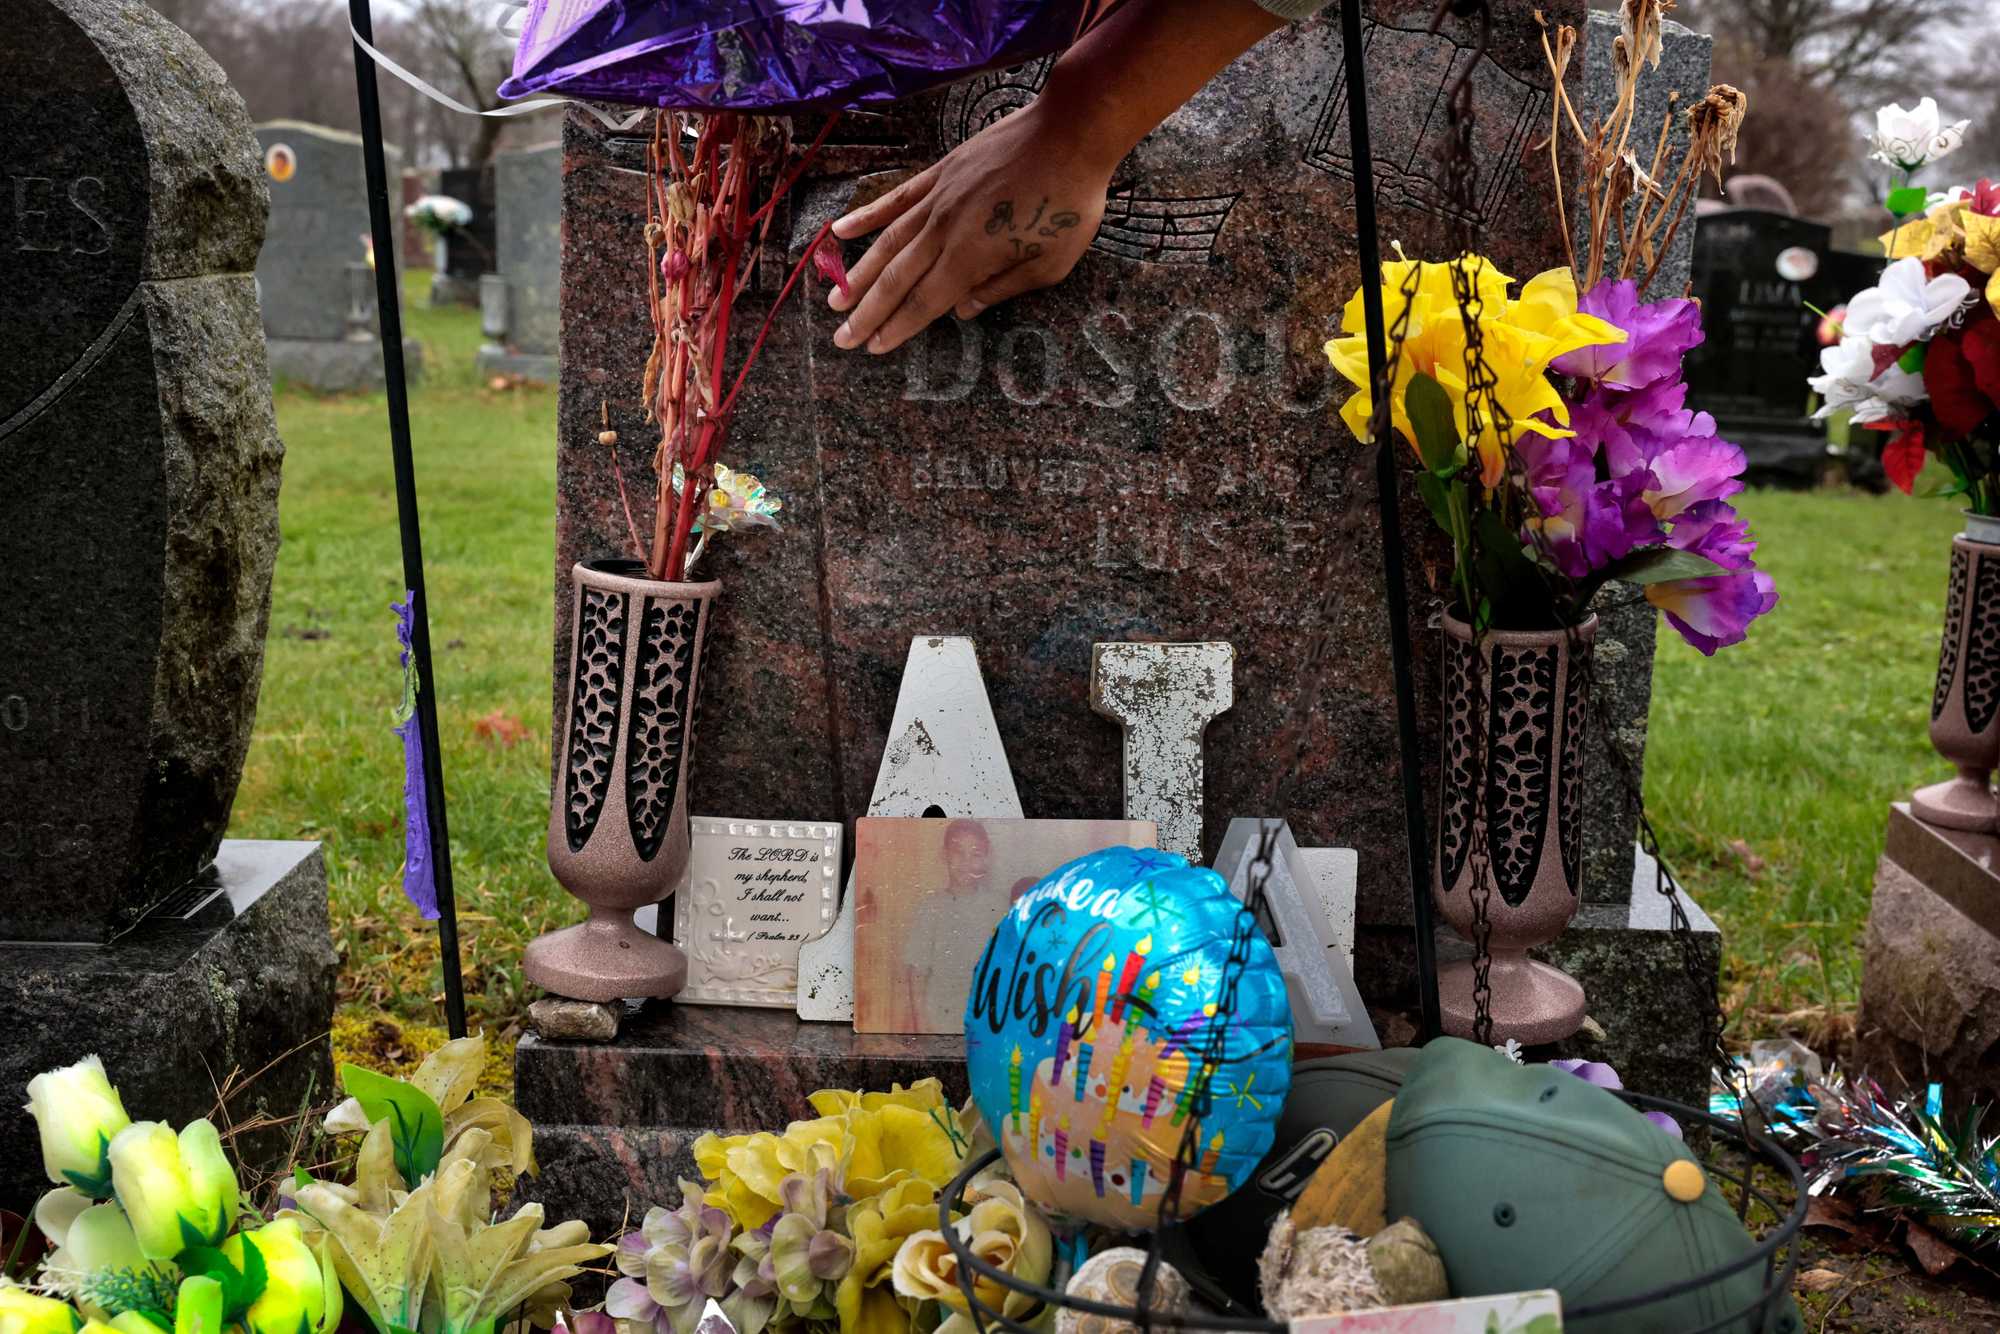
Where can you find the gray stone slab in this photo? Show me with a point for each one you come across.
(529, 366)
(319, 225)
(1930, 983)
(236, 973)
(528, 245)
(139, 464)
(338, 367)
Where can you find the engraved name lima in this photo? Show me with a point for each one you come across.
(54, 217)
(1194, 359)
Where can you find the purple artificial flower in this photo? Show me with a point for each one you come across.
(1696, 469)
(1657, 335)
(1602, 1076)
(1586, 523)
(1714, 611)
(1715, 530)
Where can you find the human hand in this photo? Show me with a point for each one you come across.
(1009, 210)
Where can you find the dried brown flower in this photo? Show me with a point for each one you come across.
(1713, 124)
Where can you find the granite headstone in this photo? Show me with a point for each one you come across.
(312, 276)
(521, 299)
(468, 251)
(139, 511)
(1142, 452)
(1757, 274)
(138, 529)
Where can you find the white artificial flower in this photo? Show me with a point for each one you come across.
(1910, 139)
(1511, 1049)
(1849, 382)
(1948, 195)
(440, 211)
(1904, 307)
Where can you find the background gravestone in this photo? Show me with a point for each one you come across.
(521, 300)
(139, 465)
(313, 281)
(1751, 372)
(469, 250)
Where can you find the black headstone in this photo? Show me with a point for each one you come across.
(471, 250)
(1755, 273)
(138, 464)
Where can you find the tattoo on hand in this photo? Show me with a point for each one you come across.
(1002, 219)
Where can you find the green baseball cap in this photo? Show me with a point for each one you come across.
(1329, 1097)
(1528, 1177)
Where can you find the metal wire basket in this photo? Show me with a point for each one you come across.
(1777, 1252)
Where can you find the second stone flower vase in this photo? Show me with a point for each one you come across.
(618, 824)
(1965, 703)
(1510, 816)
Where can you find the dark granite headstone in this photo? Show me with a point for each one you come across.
(471, 249)
(138, 526)
(139, 507)
(1145, 451)
(1761, 346)
(528, 206)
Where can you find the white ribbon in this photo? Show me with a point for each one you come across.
(618, 124)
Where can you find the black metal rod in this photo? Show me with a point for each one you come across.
(390, 309)
(1415, 826)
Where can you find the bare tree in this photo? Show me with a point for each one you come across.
(1864, 48)
(466, 54)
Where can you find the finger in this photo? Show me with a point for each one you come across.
(934, 294)
(886, 247)
(1002, 286)
(912, 263)
(880, 212)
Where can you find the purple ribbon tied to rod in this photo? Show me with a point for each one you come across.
(780, 55)
(419, 872)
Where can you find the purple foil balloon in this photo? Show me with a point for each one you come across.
(780, 55)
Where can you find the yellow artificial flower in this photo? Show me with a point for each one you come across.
(867, 1304)
(1982, 242)
(1520, 337)
(1003, 1230)
(22, 1312)
(78, 1113)
(178, 1190)
(301, 1291)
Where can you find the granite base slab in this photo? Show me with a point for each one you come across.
(234, 973)
(334, 366)
(615, 1122)
(1930, 981)
(528, 365)
(1646, 990)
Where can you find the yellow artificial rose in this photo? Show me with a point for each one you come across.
(93, 1244)
(198, 1308)
(22, 1312)
(301, 1294)
(1520, 337)
(878, 1227)
(78, 1114)
(177, 1190)
(1003, 1230)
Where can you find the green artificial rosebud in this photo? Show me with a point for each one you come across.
(22, 1312)
(199, 1310)
(301, 1295)
(178, 1192)
(79, 1114)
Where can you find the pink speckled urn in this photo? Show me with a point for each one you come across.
(618, 824)
(1965, 703)
(1510, 813)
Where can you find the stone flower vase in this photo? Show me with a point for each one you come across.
(1524, 810)
(1965, 704)
(618, 824)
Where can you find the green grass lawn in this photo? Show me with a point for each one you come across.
(1768, 775)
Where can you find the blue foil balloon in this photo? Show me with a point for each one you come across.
(1089, 1028)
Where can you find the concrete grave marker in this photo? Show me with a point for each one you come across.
(1165, 695)
(518, 301)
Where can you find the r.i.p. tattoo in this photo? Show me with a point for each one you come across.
(1020, 234)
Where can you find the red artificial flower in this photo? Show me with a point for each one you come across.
(1962, 375)
(827, 261)
(1903, 456)
(1986, 198)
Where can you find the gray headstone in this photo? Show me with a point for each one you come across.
(138, 464)
(528, 205)
(1625, 637)
(319, 225)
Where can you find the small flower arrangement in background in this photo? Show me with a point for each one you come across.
(440, 215)
(152, 1233)
(1918, 354)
